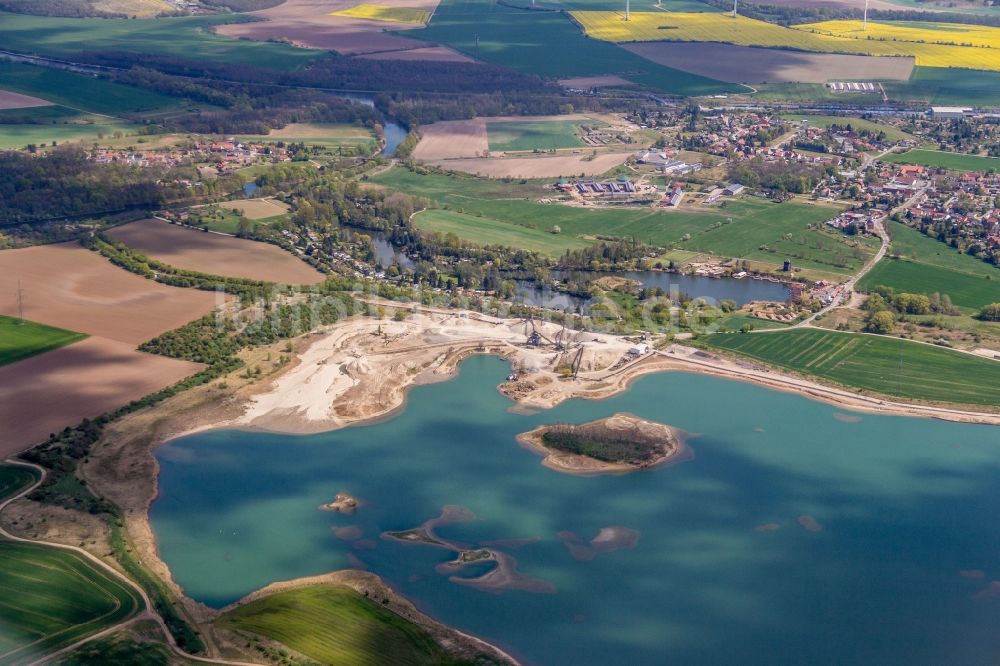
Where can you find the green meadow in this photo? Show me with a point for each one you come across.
(926, 266)
(19, 340)
(188, 37)
(885, 365)
(79, 92)
(534, 135)
(60, 598)
(748, 228)
(942, 160)
(549, 44)
(337, 626)
(14, 479)
(891, 133)
(486, 231)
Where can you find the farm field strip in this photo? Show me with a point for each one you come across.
(880, 364)
(391, 14)
(514, 135)
(22, 339)
(336, 625)
(60, 597)
(744, 31)
(891, 132)
(966, 291)
(945, 160)
(493, 232)
(14, 479)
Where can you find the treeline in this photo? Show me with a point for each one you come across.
(596, 440)
(64, 183)
(415, 92)
(247, 106)
(781, 176)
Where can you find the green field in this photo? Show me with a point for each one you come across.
(14, 479)
(50, 598)
(485, 231)
(79, 128)
(943, 160)
(885, 365)
(184, 37)
(535, 135)
(335, 625)
(928, 266)
(760, 230)
(891, 133)
(20, 340)
(548, 44)
(947, 86)
(78, 91)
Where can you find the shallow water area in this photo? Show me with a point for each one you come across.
(794, 535)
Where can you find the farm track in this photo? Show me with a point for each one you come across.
(147, 612)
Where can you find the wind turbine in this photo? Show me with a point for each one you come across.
(626, 9)
(735, 2)
(865, 28)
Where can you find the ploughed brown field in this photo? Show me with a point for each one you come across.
(13, 100)
(748, 64)
(308, 23)
(536, 167)
(71, 287)
(45, 393)
(194, 250)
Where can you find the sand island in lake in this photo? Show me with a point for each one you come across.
(616, 444)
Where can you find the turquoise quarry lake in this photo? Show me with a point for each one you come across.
(798, 533)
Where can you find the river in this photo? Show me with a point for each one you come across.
(712, 289)
(798, 533)
(394, 133)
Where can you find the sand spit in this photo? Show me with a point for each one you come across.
(608, 540)
(669, 447)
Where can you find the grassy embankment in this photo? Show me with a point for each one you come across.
(548, 44)
(338, 626)
(188, 37)
(944, 160)
(512, 135)
(20, 340)
(926, 266)
(486, 211)
(871, 363)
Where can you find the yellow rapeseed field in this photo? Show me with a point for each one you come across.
(384, 13)
(881, 39)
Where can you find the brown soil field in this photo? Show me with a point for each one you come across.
(747, 64)
(45, 393)
(214, 253)
(257, 209)
(13, 100)
(450, 139)
(308, 23)
(587, 82)
(431, 53)
(71, 287)
(536, 167)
